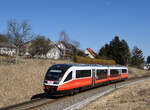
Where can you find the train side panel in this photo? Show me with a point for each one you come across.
(76, 83)
(124, 74)
(101, 75)
(83, 77)
(101, 81)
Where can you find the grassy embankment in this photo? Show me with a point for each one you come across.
(132, 97)
(78, 59)
(19, 82)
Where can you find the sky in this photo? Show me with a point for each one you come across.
(93, 23)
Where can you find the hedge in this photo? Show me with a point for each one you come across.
(87, 60)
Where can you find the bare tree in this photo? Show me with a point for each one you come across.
(76, 44)
(40, 46)
(64, 37)
(71, 45)
(19, 34)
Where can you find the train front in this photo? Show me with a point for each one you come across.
(53, 77)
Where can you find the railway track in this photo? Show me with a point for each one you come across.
(71, 102)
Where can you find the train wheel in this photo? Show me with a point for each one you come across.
(76, 90)
(72, 92)
(107, 83)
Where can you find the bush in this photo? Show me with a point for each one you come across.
(78, 59)
(7, 60)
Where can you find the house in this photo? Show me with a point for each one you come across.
(146, 66)
(60, 50)
(90, 53)
(25, 49)
(54, 52)
(57, 50)
(7, 49)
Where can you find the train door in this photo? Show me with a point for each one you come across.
(93, 77)
(120, 72)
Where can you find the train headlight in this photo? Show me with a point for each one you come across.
(56, 82)
(45, 81)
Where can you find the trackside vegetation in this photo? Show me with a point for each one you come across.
(86, 60)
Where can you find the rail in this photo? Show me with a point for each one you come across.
(47, 101)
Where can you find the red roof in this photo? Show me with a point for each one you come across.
(91, 51)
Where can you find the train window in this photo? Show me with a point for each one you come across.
(114, 73)
(83, 73)
(56, 72)
(69, 77)
(101, 74)
(124, 70)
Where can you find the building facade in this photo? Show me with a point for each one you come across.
(7, 49)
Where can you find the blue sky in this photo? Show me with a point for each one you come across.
(91, 22)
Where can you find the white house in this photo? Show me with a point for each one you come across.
(7, 49)
(90, 53)
(57, 50)
(54, 52)
(146, 66)
(60, 50)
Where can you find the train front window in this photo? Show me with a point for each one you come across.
(54, 75)
(56, 72)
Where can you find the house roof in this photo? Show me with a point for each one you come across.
(66, 49)
(66, 45)
(91, 52)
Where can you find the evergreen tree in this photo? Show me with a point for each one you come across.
(148, 59)
(125, 52)
(104, 51)
(137, 57)
(117, 50)
(115, 45)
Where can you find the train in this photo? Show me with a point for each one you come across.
(73, 78)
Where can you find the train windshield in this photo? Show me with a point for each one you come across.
(56, 72)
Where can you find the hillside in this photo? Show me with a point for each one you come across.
(19, 82)
(134, 72)
(133, 97)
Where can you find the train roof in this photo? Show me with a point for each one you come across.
(91, 65)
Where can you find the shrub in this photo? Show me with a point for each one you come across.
(86, 60)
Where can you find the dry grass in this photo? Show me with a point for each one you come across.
(132, 97)
(134, 72)
(87, 60)
(19, 82)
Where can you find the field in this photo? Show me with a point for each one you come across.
(134, 72)
(132, 97)
(19, 82)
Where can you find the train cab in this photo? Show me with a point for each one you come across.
(54, 76)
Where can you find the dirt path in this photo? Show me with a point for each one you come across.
(133, 97)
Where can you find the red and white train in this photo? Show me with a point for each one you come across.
(64, 78)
